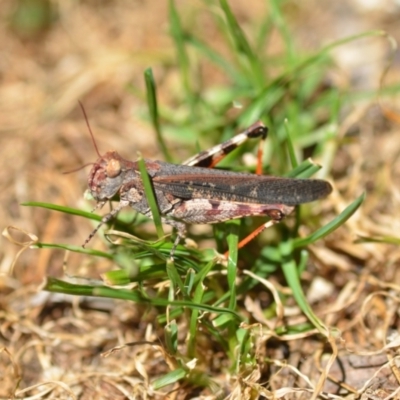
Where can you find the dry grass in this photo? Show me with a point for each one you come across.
(53, 344)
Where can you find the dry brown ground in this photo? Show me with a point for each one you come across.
(91, 53)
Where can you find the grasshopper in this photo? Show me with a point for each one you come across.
(195, 193)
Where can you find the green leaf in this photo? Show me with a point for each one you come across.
(331, 226)
(233, 241)
(170, 378)
(150, 196)
(153, 111)
(66, 210)
(290, 146)
(290, 270)
(305, 169)
(238, 36)
(75, 249)
(171, 337)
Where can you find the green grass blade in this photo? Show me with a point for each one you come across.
(169, 378)
(282, 26)
(175, 280)
(322, 54)
(305, 169)
(238, 36)
(255, 76)
(118, 224)
(153, 110)
(150, 196)
(223, 63)
(193, 325)
(75, 249)
(66, 210)
(125, 276)
(292, 153)
(59, 286)
(179, 39)
(290, 270)
(233, 240)
(243, 346)
(241, 44)
(264, 33)
(331, 226)
(171, 337)
(262, 104)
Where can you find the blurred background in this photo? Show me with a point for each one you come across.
(54, 54)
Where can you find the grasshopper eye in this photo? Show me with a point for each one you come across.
(113, 168)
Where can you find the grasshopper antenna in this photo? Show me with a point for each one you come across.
(77, 169)
(90, 130)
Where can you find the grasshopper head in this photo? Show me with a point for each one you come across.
(107, 176)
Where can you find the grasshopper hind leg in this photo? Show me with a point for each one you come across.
(211, 157)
